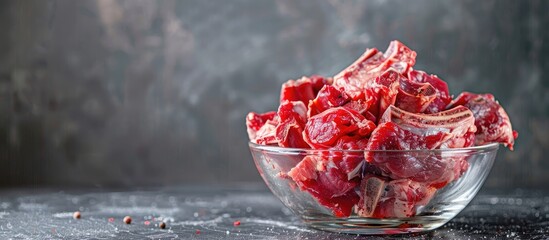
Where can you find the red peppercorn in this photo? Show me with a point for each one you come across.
(197, 231)
(127, 220)
(236, 223)
(76, 215)
(111, 219)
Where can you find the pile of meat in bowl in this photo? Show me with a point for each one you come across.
(379, 140)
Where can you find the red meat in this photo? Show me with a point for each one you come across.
(300, 90)
(414, 96)
(261, 127)
(354, 77)
(491, 120)
(370, 65)
(383, 198)
(318, 82)
(383, 92)
(400, 130)
(350, 162)
(413, 111)
(361, 107)
(398, 54)
(457, 122)
(328, 97)
(304, 89)
(442, 95)
(323, 130)
(423, 167)
(292, 117)
(326, 183)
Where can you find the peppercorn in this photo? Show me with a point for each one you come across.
(127, 220)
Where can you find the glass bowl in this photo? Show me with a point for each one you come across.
(444, 202)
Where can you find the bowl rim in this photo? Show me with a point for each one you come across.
(474, 149)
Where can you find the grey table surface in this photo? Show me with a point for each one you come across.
(206, 212)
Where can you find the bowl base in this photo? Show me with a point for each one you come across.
(372, 226)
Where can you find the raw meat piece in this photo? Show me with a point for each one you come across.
(292, 117)
(326, 183)
(254, 121)
(354, 77)
(418, 166)
(361, 107)
(300, 90)
(414, 96)
(402, 197)
(383, 198)
(349, 162)
(371, 64)
(383, 90)
(266, 135)
(400, 130)
(398, 54)
(303, 89)
(491, 120)
(328, 97)
(323, 130)
(442, 96)
(318, 82)
(261, 127)
(457, 122)
(371, 189)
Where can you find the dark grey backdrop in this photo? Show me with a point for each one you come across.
(155, 92)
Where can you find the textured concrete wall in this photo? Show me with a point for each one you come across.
(155, 92)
